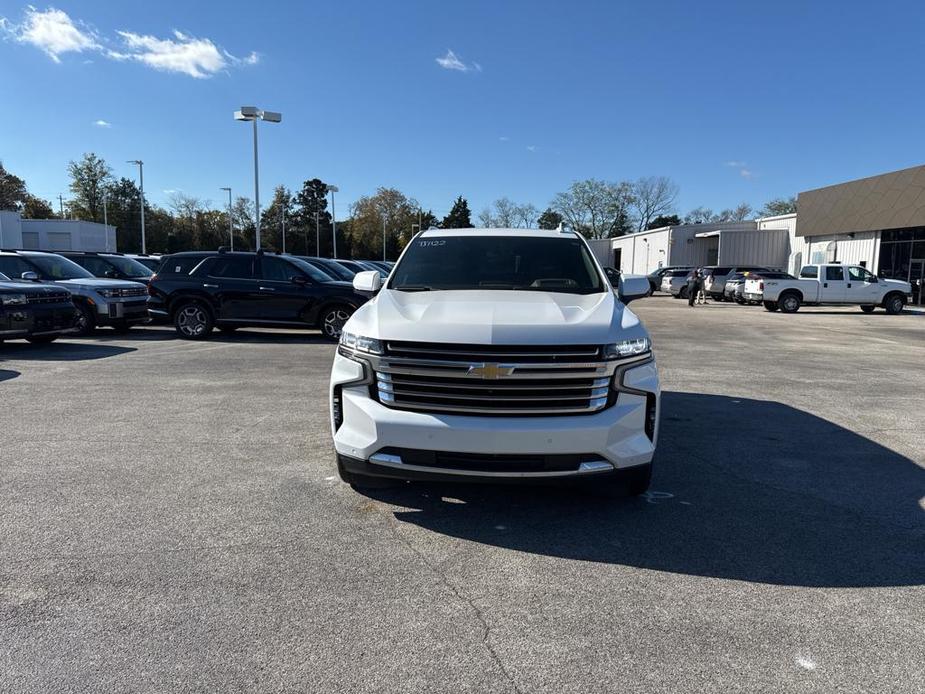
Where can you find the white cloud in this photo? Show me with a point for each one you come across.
(185, 54)
(452, 62)
(51, 31)
(55, 32)
(746, 173)
(504, 138)
(735, 164)
(531, 148)
(102, 123)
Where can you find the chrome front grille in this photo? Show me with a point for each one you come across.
(493, 380)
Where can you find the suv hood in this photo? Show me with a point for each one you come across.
(22, 287)
(496, 317)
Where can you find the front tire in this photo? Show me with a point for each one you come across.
(634, 481)
(42, 339)
(789, 303)
(894, 303)
(683, 293)
(193, 321)
(122, 327)
(770, 306)
(359, 482)
(333, 319)
(86, 322)
(868, 309)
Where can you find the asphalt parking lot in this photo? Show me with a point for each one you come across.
(171, 520)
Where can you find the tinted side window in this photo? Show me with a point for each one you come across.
(834, 274)
(278, 270)
(239, 267)
(720, 271)
(809, 271)
(13, 266)
(97, 266)
(178, 265)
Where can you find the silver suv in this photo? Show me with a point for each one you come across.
(117, 303)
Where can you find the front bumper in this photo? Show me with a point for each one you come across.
(38, 321)
(605, 442)
(119, 312)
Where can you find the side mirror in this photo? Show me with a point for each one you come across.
(873, 279)
(369, 281)
(111, 274)
(632, 288)
(30, 276)
(300, 280)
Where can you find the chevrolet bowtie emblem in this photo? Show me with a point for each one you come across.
(490, 371)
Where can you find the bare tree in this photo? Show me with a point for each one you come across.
(486, 221)
(185, 206)
(505, 214)
(596, 209)
(652, 196)
(526, 216)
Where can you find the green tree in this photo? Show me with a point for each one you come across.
(271, 221)
(90, 177)
(389, 210)
(550, 219)
(242, 217)
(311, 221)
(36, 208)
(596, 209)
(778, 206)
(663, 220)
(460, 217)
(13, 193)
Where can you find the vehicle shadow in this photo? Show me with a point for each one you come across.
(744, 489)
(242, 335)
(60, 351)
(6, 375)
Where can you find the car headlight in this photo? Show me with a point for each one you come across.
(14, 299)
(627, 348)
(361, 343)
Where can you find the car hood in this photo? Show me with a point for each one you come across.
(899, 284)
(14, 286)
(99, 283)
(496, 317)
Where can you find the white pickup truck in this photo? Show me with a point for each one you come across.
(834, 284)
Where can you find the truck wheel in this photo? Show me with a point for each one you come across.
(770, 306)
(86, 322)
(193, 321)
(683, 293)
(333, 319)
(868, 309)
(789, 303)
(42, 339)
(894, 304)
(122, 327)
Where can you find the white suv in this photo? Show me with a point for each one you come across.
(496, 354)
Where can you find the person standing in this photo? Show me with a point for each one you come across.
(694, 285)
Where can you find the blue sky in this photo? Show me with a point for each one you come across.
(734, 101)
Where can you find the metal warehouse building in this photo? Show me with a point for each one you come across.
(877, 222)
(54, 234)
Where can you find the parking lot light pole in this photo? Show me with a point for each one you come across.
(383, 238)
(252, 113)
(332, 190)
(141, 187)
(317, 237)
(230, 221)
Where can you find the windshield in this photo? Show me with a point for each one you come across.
(54, 267)
(315, 273)
(336, 270)
(497, 262)
(4, 278)
(128, 266)
(151, 263)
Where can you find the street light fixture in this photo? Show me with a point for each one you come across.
(230, 221)
(332, 190)
(141, 186)
(252, 113)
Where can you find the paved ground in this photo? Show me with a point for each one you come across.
(170, 521)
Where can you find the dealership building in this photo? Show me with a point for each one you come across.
(54, 234)
(877, 222)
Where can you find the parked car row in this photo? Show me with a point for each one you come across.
(196, 291)
(826, 283)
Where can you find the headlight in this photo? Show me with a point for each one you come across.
(361, 343)
(627, 348)
(14, 299)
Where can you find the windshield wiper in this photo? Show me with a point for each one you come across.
(413, 288)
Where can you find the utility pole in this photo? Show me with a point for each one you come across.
(317, 237)
(61, 204)
(230, 221)
(105, 213)
(283, 221)
(383, 238)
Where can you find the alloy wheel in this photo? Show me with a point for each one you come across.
(334, 321)
(192, 321)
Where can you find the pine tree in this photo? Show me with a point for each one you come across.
(459, 217)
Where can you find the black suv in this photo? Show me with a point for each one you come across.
(200, 290)
(37, 313)
(112, 265)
